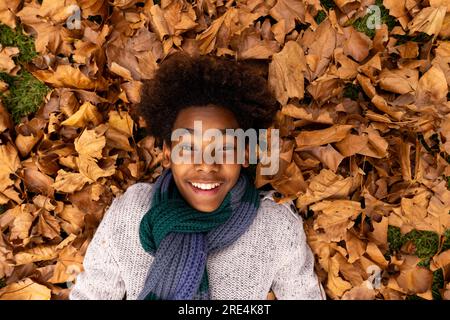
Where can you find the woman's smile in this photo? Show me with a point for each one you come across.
(205, 188)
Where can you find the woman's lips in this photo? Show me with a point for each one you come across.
(212, 191)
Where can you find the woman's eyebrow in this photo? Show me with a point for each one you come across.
(221, 130)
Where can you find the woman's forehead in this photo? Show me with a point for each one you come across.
(210, 117)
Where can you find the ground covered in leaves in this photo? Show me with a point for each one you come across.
(364, 121)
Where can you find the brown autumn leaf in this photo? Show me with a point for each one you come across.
(428, 20)
(335, 284)
(37, 181)
(251, 46)
(121, 121)
(388, 89)
(355, 247)
(46, 20)
(320, 45)
(412, 278)
(432, 87)
(5, 119)
(85, 114)
(47, 226)
(73, 219)
(359, 293)
(69, 265)
(25, 289)
(286, 73)
(9, 164)
(71, 77)
(8, 9)
(39, 253)
(440, 261)
(400, 81)
(357, 44)
(286, 12)
(21, 224)
(69, 182)
(307, 139)
(325, 185)
(329, 156)
(335, 217)
(324, 115)
(7, 64)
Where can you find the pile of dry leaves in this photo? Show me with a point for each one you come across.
(364, 121)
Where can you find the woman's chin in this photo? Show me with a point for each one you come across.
(205, 208)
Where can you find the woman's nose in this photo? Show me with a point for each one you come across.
(207, 167)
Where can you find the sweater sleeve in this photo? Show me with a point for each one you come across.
(101, 279)
(296, 278)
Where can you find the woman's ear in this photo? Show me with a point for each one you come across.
(166, 156)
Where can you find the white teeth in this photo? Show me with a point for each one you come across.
(205, 186)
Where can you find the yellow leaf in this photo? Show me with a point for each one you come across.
(306, 139)
(70, 182)
(286, 72)
(324, 185)
(9, 163)
(335, 284)
(335, 217)
(21, 224)
(429, 20)
(87, 113)
(432, 87)
(68, 76)
(74, 219)
(25, 289)
(39, 253)
(287, 12)
(121, 120)
(90, 144)
(69, 265)
(6, 62)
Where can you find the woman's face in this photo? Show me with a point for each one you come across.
(204, 186)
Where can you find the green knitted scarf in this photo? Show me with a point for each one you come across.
(180, 237)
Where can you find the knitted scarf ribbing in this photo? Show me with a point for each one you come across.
(180, 237)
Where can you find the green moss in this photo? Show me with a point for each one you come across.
(395, 239)
(414, 297)
(328, 4)
(438, 283)
(25, 95)
(320, 16)
(446, 244)
(360, 24)
(16, 38)
(420, 37)
(426, 242)
(427, 245)
(2, 283)
(351, 91)
(2, 209)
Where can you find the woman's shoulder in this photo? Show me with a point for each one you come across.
(131, 204)
(281, 218)
(136, 195)
(286, 209)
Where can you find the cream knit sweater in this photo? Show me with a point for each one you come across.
(271, 254)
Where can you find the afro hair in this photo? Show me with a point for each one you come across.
(182, 81)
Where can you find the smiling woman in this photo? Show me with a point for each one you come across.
(202, 230)
(195, 181)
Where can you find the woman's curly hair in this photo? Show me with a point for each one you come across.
(182, 81)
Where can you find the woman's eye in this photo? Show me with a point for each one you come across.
(227, 148)
(186, 147)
